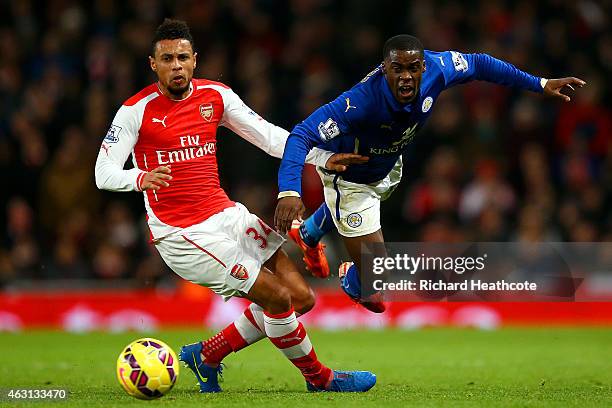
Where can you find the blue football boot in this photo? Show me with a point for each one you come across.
(207, 376)
(347, 381)
(351, 285)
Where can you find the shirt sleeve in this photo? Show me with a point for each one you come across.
(116, 148)
(324, 124)
(243, 121)
(460, 68)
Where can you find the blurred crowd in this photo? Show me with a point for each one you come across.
(492, 164)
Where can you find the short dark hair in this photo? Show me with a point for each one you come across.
(402, 42)
(171, 30)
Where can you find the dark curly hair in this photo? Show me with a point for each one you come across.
(403, 42)
(171, 30)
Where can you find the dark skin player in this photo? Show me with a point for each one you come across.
(403, 70)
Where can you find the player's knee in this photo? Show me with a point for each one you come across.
(304, 301)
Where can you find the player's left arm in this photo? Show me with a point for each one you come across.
(461, 68)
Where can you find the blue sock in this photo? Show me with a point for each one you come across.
(317, 225)
(351, 284)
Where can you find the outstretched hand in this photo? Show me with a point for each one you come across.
(339, 162)
(554, 86)
(292, 208)
(287, 210)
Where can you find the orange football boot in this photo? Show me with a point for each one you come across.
(314, 257)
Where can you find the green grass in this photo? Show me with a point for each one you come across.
(438, 367)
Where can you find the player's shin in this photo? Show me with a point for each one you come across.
(290, 337)
(244, 331)
(316, 226)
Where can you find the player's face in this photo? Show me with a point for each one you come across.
(174, 62)
(404, 70)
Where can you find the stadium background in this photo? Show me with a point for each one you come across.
(492, 164)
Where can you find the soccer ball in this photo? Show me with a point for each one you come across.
(147, 368)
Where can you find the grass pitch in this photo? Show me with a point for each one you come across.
(436, 367)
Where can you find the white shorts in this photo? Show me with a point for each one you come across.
(356, 207)
(224, 253)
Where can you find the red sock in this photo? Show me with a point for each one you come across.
(290, 337)
(215, 349)
(313, 370)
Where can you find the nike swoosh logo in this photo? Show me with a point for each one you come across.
(203, 379)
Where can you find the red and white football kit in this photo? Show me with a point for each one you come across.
(200, 233)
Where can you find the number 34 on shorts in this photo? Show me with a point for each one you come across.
(233, 240)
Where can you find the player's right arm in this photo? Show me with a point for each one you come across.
(324, 124)
(116, 148)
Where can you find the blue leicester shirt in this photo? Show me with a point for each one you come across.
(367, 119)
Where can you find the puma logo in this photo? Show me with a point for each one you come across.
(162, 121)
(348, 105)
(297, 337)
